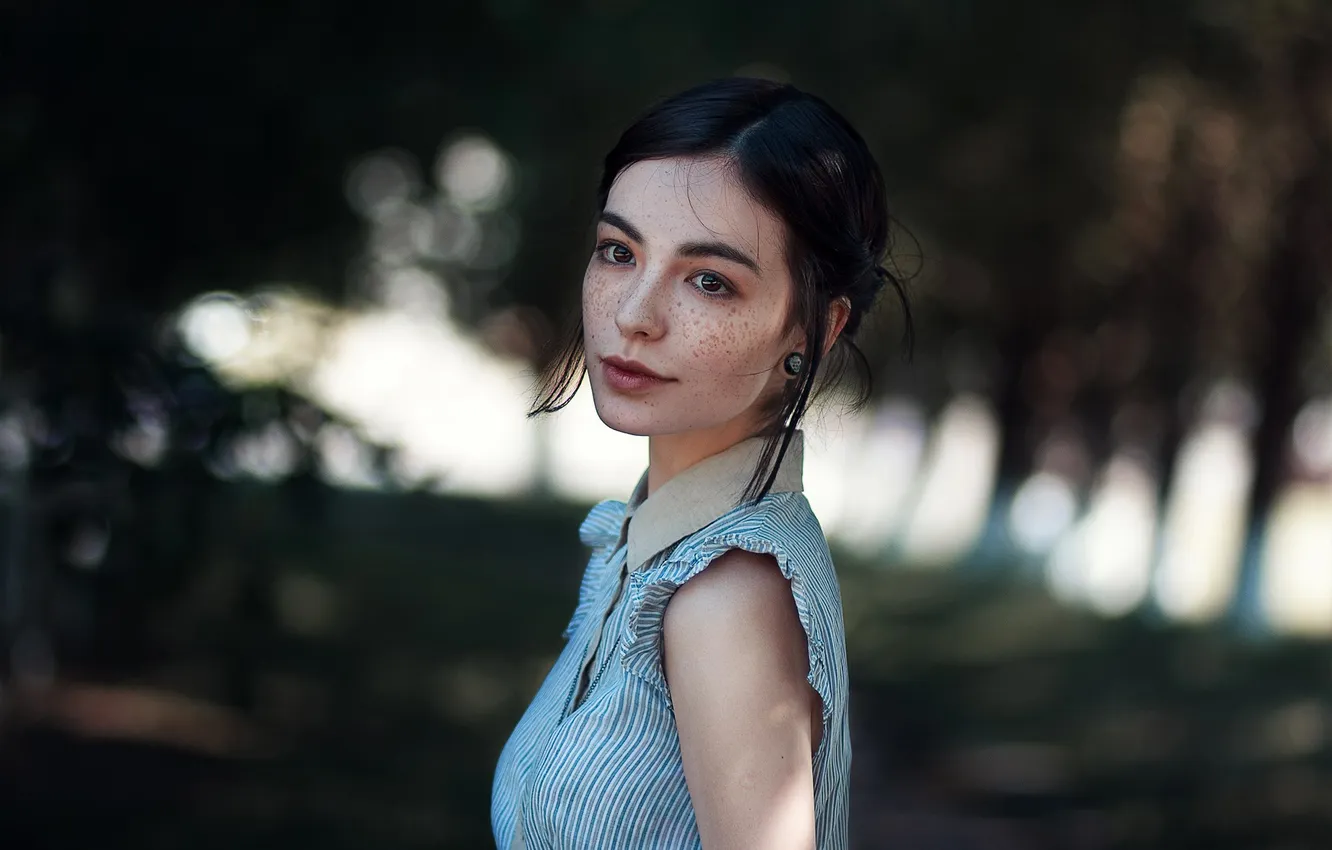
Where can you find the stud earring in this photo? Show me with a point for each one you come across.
(793, 363)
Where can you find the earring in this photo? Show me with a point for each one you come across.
(793, 363)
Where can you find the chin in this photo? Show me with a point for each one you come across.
(643, 421)
(641, 417)
(626, 417)
(631, 430)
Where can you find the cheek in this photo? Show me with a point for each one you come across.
(739, 344)
(598, 301)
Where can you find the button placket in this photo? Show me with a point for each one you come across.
(579, 692)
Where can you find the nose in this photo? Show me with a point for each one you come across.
(641, 312)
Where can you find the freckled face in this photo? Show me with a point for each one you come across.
(689, 280)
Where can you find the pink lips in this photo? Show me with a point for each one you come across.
(629, 376)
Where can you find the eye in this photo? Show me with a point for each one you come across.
(615, 254)
(712, 285)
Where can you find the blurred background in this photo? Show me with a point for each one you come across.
(281, 560)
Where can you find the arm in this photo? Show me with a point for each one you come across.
(736, 662)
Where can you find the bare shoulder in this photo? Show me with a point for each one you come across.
(739, 617)
(742, 585)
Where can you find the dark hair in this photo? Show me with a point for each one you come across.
(804, 162)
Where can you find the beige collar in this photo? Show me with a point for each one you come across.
(699, 495)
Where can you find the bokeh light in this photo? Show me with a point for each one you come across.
(1206, 512)
(1296, 559)
(1105, 562)
(215, 326)
(957, 484)
(474, 172)
(1042, 510)
(382, 182)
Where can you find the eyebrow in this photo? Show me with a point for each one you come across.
(688, 249)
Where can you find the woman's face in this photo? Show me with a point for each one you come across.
(688, 280)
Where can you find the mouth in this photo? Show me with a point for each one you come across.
(633, 367)
(630, 376)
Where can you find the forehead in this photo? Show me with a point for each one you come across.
(693, 200)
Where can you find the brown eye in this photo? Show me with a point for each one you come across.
(712, 285)
(615, 253)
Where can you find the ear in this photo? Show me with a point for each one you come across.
(838, 313)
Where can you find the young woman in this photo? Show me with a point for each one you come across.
(701, 698)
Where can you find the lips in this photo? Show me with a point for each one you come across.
(630, 376)
(632, 366)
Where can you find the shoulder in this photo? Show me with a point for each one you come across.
(741, 606)
(737, 581)
(781, 525)
(788, 513)
(778, 521)
(757, 560)
(753, 591)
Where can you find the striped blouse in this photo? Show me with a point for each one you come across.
(594, 762)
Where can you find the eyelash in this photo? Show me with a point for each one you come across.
(603, 256)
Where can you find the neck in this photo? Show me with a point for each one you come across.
(671, 454)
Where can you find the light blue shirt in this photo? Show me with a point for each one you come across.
(595, 760)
